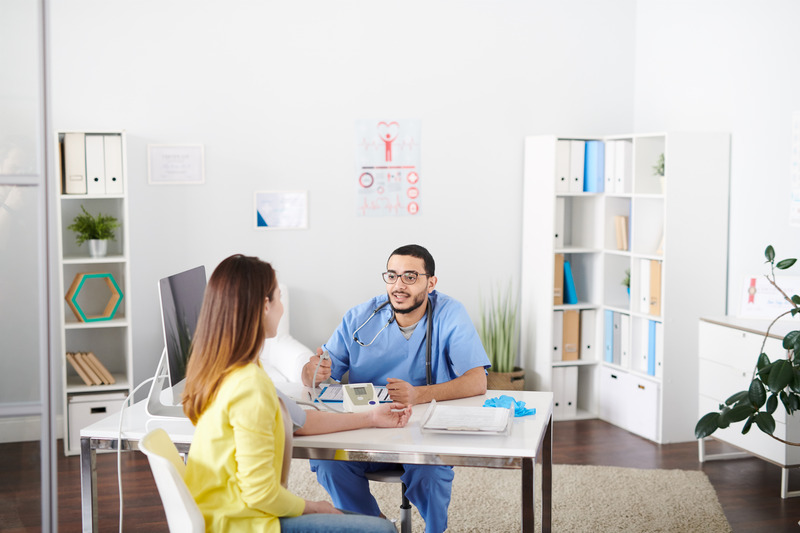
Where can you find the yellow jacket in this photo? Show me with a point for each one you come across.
(235, 461)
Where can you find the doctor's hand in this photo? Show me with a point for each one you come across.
(390, 415)
(401, 391)
(323, 373)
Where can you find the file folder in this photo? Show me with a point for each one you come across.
(558, 391)
(588, 325)
(659, 350)
(576, 164)
(609, 164)
(572, 335)
(608, 336)
(558, 334)
(644, 286)
(569, 396)
(641, 353)
(558, 281)
(113, 159)
(74, 153)
(655, 288)
(623, 166)
(562, 166)
(560, 223)
(616, 348)
(95, 165)
(625, 341)
(570, 295)
(594, 167)
(651, 347)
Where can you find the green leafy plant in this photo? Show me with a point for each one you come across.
(658, 168)
(498, 330)
(772, 381)
(626, 281)
(88, 226)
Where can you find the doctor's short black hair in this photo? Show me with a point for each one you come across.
(415, 250)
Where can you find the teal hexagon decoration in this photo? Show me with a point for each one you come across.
(78, 283)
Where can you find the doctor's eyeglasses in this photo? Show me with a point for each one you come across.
(409, 277)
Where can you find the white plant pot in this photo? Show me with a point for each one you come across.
(98, 247)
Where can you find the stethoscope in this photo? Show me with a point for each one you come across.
(429, 313)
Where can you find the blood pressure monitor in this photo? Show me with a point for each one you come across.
(358, 397)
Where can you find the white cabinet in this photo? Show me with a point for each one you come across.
(669, 234)
(639, 394)
(729, 348)
(95, 175)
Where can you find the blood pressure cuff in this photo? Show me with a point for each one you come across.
(296, 412)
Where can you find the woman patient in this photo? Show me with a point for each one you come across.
(239, 458)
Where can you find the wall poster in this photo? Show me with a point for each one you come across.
(281, 209)
(388, 167)
(175, 164)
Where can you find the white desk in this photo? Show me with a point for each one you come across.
(530, 438)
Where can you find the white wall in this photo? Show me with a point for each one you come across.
(272, 90)
(729, 66)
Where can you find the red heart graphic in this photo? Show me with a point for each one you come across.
(388, 131)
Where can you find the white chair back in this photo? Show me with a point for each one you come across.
(182, 512)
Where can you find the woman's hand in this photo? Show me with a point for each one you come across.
(320, 507)
(390, 415)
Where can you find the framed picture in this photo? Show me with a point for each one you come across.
(171, 164)
(281, 209)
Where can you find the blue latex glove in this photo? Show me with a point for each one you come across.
(508, 402)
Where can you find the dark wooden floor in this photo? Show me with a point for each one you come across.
(748, 489)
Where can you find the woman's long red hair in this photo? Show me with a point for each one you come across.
(230, 330)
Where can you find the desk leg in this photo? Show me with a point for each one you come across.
(547, 478)
(528, 495)
(529, 485)
(88, 486)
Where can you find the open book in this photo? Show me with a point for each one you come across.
(464, 419)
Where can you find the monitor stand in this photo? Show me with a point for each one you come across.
(155, 404)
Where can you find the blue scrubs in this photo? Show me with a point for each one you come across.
(455, 349)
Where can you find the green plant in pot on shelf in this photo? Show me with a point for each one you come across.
(658, 170)
(498, 333)
(96, 230)
(626, 281)
(773, 383)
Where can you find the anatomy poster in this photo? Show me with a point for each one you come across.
(387, 167)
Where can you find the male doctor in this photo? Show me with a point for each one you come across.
(385, 341)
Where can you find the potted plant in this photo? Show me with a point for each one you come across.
(658, 170)
(772, 381)
(626, 281)
(498, 333)
(97, 230)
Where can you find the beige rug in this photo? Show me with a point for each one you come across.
(585, 498)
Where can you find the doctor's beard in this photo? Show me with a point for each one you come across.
(416, 305)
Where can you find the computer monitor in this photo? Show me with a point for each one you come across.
(181, 297)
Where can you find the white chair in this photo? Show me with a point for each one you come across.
(182, 512)
(283, 356)
(393, 476)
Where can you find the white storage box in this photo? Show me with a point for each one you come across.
(86, 409)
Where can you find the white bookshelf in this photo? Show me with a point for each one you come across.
(110, 340)
(689, 211)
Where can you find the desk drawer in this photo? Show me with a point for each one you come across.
(735, 347)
